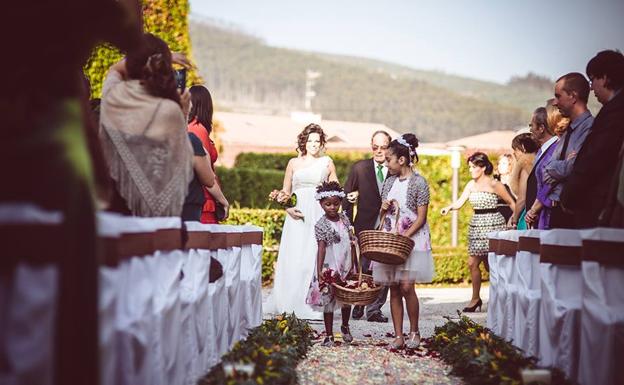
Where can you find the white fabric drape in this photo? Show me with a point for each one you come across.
(560, 310)
(528, 296)
(28, 297)
(493, 305)
(602, 322)
(506, 286)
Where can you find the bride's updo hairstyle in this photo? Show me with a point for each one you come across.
(328, 189)
(479, 159)
(302, 138)
(405, 146)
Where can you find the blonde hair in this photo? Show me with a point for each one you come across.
(557, 123)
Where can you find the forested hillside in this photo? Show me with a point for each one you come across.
(244, 73)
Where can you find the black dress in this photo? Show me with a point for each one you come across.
(191, 211)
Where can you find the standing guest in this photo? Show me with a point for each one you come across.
(200, 124)
(503, 168)
(364, 186)
(143, 131)
(203, 177)
(524, 149)
(333, 259)
(613, 213)
(483, 192)
(571, 95)
(411, 191)
(50, 158)
(587, 186)
(538, 215)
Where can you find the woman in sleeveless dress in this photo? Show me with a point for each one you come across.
(483, 192)
(297, 252)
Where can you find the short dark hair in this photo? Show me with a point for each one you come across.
(302, 138)
(576, 82)
(524, 143)
(481, 160)
(201, 107)
(381, 132)
(607, 63)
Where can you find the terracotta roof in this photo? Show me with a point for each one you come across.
(488, 141)
(281, 131)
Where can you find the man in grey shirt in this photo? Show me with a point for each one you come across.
(571, 95)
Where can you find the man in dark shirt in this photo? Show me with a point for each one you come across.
(586, 189)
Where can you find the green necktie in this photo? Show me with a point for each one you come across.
(380, 176)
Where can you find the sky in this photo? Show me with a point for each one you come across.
(484, 39)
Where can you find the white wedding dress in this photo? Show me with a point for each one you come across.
(297, 253)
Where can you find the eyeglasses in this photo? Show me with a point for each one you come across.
(375, 147)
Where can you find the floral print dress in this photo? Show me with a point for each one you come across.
(337, 262)
(419, 265)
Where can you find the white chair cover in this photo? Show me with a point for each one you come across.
(195, 292)
(171, 316)
(138, 360)
(506, 282)
(251, 283)
(230, 258)
(602, 322)
(560, 310)
(28, 307)
(493, 306)
(218, 303)
(107, 227)
(529, 292)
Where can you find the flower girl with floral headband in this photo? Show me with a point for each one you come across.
(334, 262)
(411, 191)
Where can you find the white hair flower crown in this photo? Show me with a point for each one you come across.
(403, 142)
(327, 194)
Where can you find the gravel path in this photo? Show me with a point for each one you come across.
(368, 361)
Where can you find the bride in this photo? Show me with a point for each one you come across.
(297, 252)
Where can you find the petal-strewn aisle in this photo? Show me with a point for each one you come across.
(370, 362)
(367, 360)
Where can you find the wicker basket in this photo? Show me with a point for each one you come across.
(354, 296)
(390, 248)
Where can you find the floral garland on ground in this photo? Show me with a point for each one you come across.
(269, 355)
(481, 357)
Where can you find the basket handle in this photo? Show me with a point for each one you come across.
(357, 257)
(396, 217)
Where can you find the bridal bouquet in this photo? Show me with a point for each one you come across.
(283, 199)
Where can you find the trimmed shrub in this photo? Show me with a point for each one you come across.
(167, 19)
(450, 262)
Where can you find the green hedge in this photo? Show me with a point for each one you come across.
(168, 19)
(250, 188)
(450, 263)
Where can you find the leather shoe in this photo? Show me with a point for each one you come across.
(358, 312)
(377, 317)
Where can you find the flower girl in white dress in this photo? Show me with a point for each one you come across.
(411, 192)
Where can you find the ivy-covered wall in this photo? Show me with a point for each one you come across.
(167, 19)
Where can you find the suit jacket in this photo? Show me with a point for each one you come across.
(586, 189)
(362, 178)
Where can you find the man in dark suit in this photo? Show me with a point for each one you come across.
(364, 186)
(586, 190)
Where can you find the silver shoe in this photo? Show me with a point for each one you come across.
(328, 342)
(413, 340)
